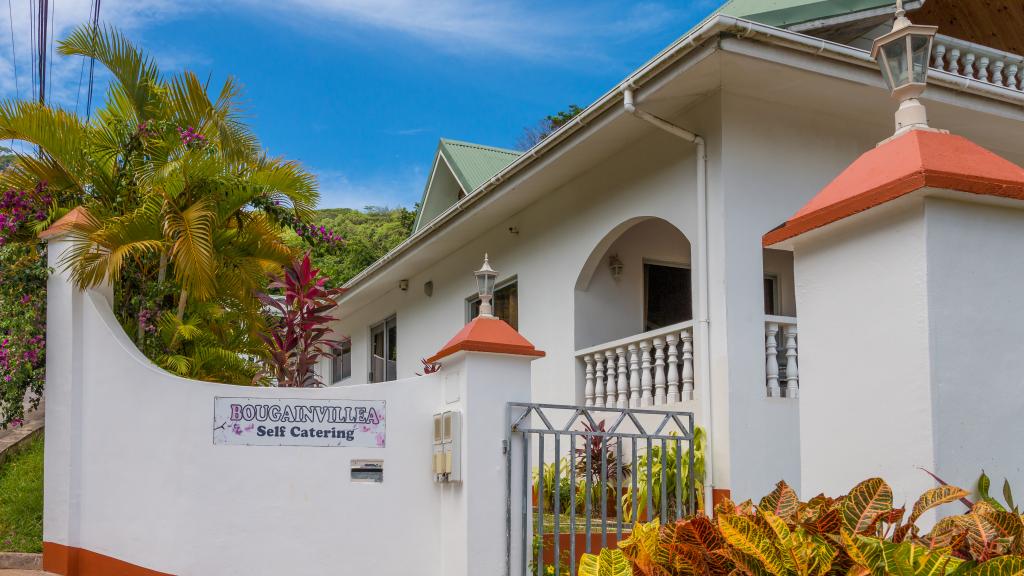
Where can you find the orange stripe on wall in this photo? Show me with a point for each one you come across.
(68, 561)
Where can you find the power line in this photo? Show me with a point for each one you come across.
(14, 54)
(53, 29)
(32, 42)
(92, 61)
(41, 49)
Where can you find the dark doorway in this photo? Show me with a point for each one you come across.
(667, 296)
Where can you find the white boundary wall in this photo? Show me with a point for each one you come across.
(132, 471)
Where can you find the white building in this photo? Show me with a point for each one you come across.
(635, 255)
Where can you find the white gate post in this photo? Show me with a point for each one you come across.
(486, 366)
(63, 394)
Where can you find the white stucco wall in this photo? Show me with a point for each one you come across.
(132, 471)
(865, 369)
(776, 158)
(976, 321)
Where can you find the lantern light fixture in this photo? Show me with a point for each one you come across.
(615, 266)
(485, 277)
(904, 55)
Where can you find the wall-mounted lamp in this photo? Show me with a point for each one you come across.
(428, 288)
(403, 285)
(485, 277)
(615, 266)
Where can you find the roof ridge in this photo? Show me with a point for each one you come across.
(480, 146)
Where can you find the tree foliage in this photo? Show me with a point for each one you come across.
(185, 213)
(534, 134)
(366, 235)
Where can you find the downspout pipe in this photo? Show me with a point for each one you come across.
(704, 286)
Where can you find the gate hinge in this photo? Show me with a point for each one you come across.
(504, 446)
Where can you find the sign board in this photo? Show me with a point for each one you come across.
(299, 422)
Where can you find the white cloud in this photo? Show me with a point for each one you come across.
(401, 188)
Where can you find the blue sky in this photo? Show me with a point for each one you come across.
(360, 91)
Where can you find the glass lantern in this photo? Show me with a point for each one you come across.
(485, 278)
(904, 55)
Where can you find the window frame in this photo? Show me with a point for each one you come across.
(498, 286)
(644, 283)
(387, 349)
(336, 357)
(776, 293)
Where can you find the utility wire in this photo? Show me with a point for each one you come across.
(41, 49)
(32, 42)
(92, 62)
(53, 30)
(14, 54)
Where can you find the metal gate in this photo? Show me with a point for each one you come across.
(591, 472)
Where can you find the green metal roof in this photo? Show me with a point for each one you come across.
(782, 13)
(474, 164)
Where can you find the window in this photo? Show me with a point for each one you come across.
(341, 362)
(506, 304)
(384, 351)
(667, 295)
(771, 295)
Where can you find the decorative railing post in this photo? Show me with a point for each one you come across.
(599, 389)
(623, 384)
(772, 360)
(673, 368)
(659, 371)
(634, 376)
(588, 388)
(612, 373)
(646, 397)
(687, 337)
(792, 370)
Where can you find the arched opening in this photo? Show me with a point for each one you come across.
(637, 279)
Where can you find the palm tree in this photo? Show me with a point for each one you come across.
(183, 205)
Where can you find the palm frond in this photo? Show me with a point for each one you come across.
(136, 73)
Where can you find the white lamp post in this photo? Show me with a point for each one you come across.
(485, 277)
(904, 55)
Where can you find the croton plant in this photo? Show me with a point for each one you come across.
(859, 534)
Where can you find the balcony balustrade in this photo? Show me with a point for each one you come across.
(650, 369)
(978, 62)
(782, 373)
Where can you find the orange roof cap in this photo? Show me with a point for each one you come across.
(915, 160)
(488, 335)
(77, 216)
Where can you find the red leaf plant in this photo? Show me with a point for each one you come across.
(298, 335)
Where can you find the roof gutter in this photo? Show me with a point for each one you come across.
(708, 29)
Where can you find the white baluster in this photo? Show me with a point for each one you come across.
(673, 368)
(599, 379)
(792, 370)
(634, 376)
(623, 386)
(588, 389)
(1020, 78)
(659, 371)
(997, 72)
(983, 69)
(646, 398)
(772, 360)
(940, 51)
(612, 373)
(1011, 77)
(969, 65)
(687, 337)
(953, 64)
